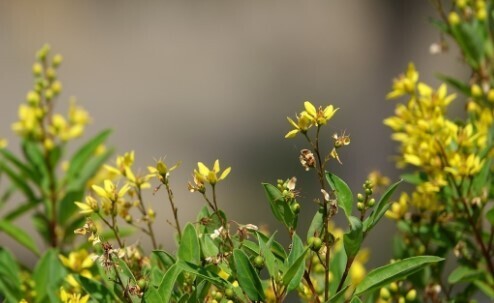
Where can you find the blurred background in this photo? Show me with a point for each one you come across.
(205, 80)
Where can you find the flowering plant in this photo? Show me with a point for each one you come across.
(218, 259)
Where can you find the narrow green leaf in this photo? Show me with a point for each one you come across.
(152, 296)
(36, 159)
(399, 270)
(125, 270)
(265, 251)
(297, 254)
(316, 224)
(96, 289)
(10, 282)
(344, 195)
(19, 235)
(50, 265)
(67, 208)
(247, 276)
(276, 247)
(167, 284)
(356, 299)
(380, 208)
(339, 296)
(485, 288)
(203, 272)
(463, 274)
(79, 179)
(20, 182)
(85, 153)
(164, 257)
(490, 216)
(20, 210)
(189, 249)
(24, 169)
(209, 248)
(280, 209)
(353, 239)
(459, 85)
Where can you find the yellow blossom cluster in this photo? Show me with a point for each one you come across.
(37, 119)
(430, 141)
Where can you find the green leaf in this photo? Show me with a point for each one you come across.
(97, 290)
(380, 208)
(265, 251)
(203, 272)
(316, 224)
(20, 210)
(247, 276)
(337, 266)
(67, 208)
(353, 239)
(399, 270)
(209, 248)
(279, 207)
(485, 288)
(10, 282)
(164, 257)
(356, 300)
(167, 284)
(276, 247)
(344, 195)
(36, 159)
(490, 216)
(152, 296)
(50, 265)
(85, 153)
(125, 270)
(338, 296)
(189, 249)
(20, 182)
(19, 235)
(24, 169)
(459, 85)
(470, 39)
(78, 181)
(463, 274)
(296, 263)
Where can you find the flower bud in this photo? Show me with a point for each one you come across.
(295, 208)
(43, 52)
(360, 197)
(32, 98)
(393, 287)
(371, 202)
(384, 293)
(368, 191)
(411, 295)
(57, 60)
(56, 87)
(360, 206)
(49, 94)
(476, 91)
(259, 262)
(37, 69)
(453, 19)
(51, 73)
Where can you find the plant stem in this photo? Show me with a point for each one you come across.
(174, 209)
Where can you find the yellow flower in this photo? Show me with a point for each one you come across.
(90, 206)
(404, 84)
(78, 261)
(110, 191)
(3, 143)
(205, 175)
(398, 209)
(304, 122)
(161, 171)
(320, 116)
(67, 297)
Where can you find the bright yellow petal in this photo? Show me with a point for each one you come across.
(123, 190)
(292, 133)
(203, 170)
(99, 191)
(216, 166)
(225, 173)
(310, 108)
